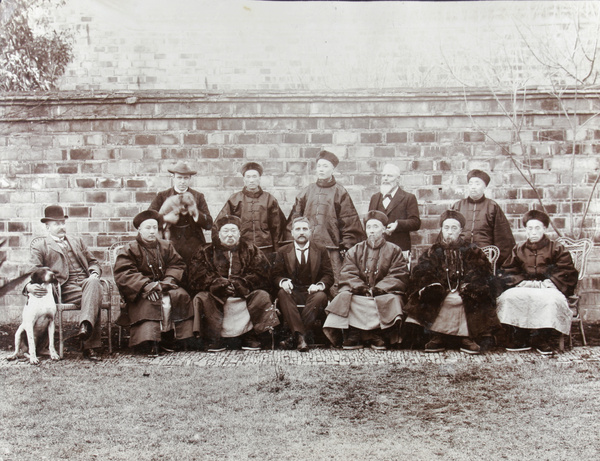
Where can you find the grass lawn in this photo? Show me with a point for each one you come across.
(76, 410)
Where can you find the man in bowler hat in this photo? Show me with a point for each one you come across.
(78, 273)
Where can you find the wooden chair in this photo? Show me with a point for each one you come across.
(112, 255)
(61, 307)
(493, 253)
(580, 250)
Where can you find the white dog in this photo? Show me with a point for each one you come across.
(38, 316)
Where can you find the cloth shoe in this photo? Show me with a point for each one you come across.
(352, 340)
(90, 354)
(378, 343)
(517, 346)
(542, 346)
(216, 346)
(250, 342)
(468, 346)
(436, 344)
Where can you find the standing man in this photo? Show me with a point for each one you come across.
(78, 273)
(486, 223)
(329, 206)
(230, 278)
(263, 222)
(373, 280)
(399, 206)
(187, 230)
(303, 275)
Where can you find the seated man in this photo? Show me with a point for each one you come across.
(147, 273)
(452, 289)
(372, 281)
(229, 277)
(539, 276)
(302, 272)
(78, 273)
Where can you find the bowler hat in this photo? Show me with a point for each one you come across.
(329, 156)
(451, 214)
(54, 213)
(228, 219)
(145, 215)
(252, 166)
(538, 215)
(378, 215)
(181, 168)
(479, 174)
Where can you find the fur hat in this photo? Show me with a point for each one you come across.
(181, 168)
(330, 157)
(479, 174)
(145, 215)
(378, 215)
(536, 214)
(252, 166)
(228, 219)
(54, 213)
(451, 214)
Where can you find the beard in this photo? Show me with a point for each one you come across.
(375, 240)
(385, 188)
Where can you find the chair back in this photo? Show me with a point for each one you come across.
(406, 254)
(580, 250)
(34, 242)
(493, 253)
(113, 251)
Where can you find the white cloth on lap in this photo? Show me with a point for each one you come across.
(535, 308)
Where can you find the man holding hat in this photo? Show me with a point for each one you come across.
(263, 222)
(230, 279)
(328, 205)
(147, 273)
(78, 273)
(373, 280)
(187, 232)
(486, 223)
(452, 290)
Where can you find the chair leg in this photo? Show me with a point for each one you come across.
(561, 343)
(582, 333)
(61, 343)
(109, 318)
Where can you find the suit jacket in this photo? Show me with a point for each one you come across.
(318, 257)
(47, 253)
(404, 209)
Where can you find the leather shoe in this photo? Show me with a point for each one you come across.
(85, 331)
(90, 354)
(301, 344)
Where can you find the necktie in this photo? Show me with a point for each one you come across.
(303, 256)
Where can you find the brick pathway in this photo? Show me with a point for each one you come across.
(579, 355)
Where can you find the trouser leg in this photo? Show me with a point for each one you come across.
(88, 295)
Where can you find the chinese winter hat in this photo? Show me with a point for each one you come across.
(451, 214)
(54, 213)
(181, 168)
(252, 166)
(329, 156)
(538, 215)
(479, 174)
(378, 215)
(228, 219)
(145, 215)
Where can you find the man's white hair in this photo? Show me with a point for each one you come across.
(395, 168)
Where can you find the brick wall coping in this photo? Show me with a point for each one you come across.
(16, 107)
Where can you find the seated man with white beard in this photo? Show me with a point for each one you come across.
(372, 281)
(452, 290)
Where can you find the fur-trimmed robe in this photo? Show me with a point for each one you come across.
(250, 270)
(475, 279)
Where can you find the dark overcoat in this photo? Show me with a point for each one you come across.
(133, 271)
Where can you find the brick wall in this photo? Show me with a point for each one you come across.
(104, 157)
